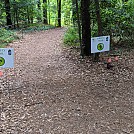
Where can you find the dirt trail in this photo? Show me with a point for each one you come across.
(50, 93)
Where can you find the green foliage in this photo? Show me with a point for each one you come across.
(6, 36)
(71, 37)
(24, 12)
(37, 27)
(118, 20)
(67, 12)
(117, 17)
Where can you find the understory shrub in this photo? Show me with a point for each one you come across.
(71, 37)
(6, 36)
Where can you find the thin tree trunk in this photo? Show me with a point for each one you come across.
(14, 20)
(17, 18)
(98, 17)
(99, 25)
(39, 4)
(49, 12)
(39, 8)
(31, 16)
(59, 12)
(79, 26)
(45, 12)
(74, 11)
(86, 30)
(8, 14)
(28, 17)
(14, 14)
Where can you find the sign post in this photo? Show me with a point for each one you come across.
(100, 44)
(6, 58)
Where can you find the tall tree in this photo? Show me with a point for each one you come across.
(59, 12)
(49, 13)
(8, 14)
(15, 14)
(39, 9)
(28, 15)
(79, 26)
(45, 12)
(99, 25)
(98, 17)
(74, 11)
(38, 4)
(86, 30)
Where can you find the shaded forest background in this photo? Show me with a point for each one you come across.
(84, 19)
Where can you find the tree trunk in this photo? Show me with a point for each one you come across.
(59, 12)
(28, 17)
(8, 14)
(99, 25)
(49, 13)
(17, 18)
(39, 4)
(86, 30)
(39, 9)
(31, 16)
(79, 26)
(14, 14)
(74, 11)
(45, 12)
(98, 17)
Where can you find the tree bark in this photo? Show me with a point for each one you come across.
(79, 26)
(39, 8)
(59, 12)
(49, 12)
(8, 14)
(74, 11)
(14, 14)
(31, 16)
(96, 58)
(28, 17)
(98, 17)
(45, 12)
(86, 30)
(17, 18)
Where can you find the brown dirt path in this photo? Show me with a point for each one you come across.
(52, 92)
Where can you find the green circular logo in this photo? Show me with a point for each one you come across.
(2, 61)
(100, 46)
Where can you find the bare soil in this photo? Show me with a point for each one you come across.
(52, 90)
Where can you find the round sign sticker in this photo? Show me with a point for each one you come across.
(100, 46)
(2, 61)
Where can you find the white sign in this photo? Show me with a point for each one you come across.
(6, 57)
(100, 44)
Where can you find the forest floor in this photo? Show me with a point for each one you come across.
(52, 91)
